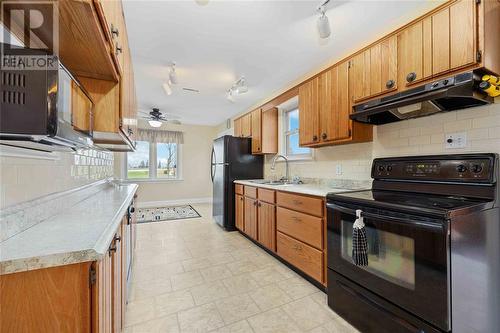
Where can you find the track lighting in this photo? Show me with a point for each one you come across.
(172, 75)
(323, 23)
(238, 87)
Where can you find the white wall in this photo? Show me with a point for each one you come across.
(419, 136)
(195, 169)
(30, 177)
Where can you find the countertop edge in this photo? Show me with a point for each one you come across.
(281, 188)
(95, 253)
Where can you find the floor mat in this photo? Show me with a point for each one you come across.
(157, 214)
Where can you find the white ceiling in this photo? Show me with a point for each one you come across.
(271, 43)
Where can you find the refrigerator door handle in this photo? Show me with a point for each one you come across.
(214, 166)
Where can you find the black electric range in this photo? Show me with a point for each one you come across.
(433, 229)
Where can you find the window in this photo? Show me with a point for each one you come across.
(291, 148)
(153, 161)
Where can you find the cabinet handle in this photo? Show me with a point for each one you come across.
(296, 219)
(324, 136)
(411, 77)
(259, 204)
(114, 31)
(118, 49)
(255, 203)
(390, 84)
(297, 202)
(315, 138)
(118, 238)
(111, 249)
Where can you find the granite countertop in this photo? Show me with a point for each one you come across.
(80, 231)
(320, 189)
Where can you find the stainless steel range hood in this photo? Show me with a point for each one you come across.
(453, 93)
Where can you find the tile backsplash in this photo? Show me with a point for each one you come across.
(26, 178)
(418, 136)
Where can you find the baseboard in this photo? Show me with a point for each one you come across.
(164, 203)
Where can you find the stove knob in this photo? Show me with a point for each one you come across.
(445, 82)
(389, 168)
(476, 168)
(461, 168)
(381, 168)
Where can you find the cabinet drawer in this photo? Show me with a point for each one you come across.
(266, 195)
(306, 228)
(308, 205)
(251, 192)
(302, 256)
(238, 189)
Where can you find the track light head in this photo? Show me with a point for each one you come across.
(172, 75)
(323, 23)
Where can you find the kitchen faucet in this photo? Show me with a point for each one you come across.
(273, 165)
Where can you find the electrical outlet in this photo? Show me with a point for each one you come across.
(338, 169)
(455, 140)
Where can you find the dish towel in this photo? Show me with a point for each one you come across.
(359, 241)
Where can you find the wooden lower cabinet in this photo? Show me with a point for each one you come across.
(250, 217)
(77, 298)
(239, 212)
(266, 225)
(291, 225)
(301, 255)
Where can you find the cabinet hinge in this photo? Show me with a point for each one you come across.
(92, 276)
(121, 123)
(479, 56)
(350, 132)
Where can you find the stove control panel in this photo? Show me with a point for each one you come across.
(456, 168)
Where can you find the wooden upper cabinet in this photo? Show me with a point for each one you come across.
(246, 125)
(114, 23)
(237, 128)
(81, 108)
(334, 103)
(359, 75)
(309, 112)
(463, 34)
(414, 53)
(256, 120)
(441, 41)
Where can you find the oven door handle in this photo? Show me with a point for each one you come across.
(420, 224)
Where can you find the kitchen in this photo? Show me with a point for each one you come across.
(350, 189)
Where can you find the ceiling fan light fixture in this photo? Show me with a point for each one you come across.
(323, 23)
(154, 123)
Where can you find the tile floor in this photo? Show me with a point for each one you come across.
(190, 276)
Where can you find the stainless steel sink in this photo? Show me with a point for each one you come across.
(270, 182)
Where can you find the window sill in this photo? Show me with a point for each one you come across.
(141, 180)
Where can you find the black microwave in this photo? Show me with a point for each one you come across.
(42, 108)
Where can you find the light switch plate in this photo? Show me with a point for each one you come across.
(455, 140)
(338, 169)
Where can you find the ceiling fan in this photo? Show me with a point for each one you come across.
(155, 118)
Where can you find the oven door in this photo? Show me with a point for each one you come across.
(407, 258)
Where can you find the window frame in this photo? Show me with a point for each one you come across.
(286, 133)
(153, 165)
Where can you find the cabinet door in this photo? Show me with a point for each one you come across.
(266, 221)
(309, 112)
(246, 125)
(359, 75)
(125, 248)
(116, 259)
(462, 33)
(81, 109)
(441, 41)
(388, 65)
(257, 131)
(414, 53)
(237, 128)
(239, 214)
(250, 217)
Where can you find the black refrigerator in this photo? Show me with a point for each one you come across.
(232, 159)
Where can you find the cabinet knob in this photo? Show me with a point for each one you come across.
(241, 198)
(118, 238)
(255, 203)
(389, 84)
(315, 138)
(111, 249)
(114, 31)
(118, 49)
(259, 204)
(411, 77)
(324, 136)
